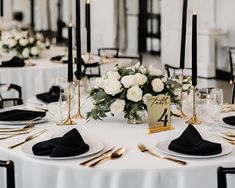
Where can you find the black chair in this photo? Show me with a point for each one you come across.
(134, 58)
(11, 101)
(231, 53)
(10, 173)
(108, 52)
(221, 176)
(174, 72)
(91, 70)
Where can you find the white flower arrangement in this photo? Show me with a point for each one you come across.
(25, 43)
(125, 90)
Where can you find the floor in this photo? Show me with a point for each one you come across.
(155, 61)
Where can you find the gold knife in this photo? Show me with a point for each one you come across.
(102, 154)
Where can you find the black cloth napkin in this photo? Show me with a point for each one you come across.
(229, 120)
(57, 58)
(20, 115)
(52, 96)
(14, 62)
(190, 142)
(71, 144)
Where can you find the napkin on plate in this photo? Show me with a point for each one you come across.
(52, 96)
(14, 62)
(20, 115)
(190, 142)
(229, 120)
(71, 144)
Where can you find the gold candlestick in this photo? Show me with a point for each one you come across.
(78, 115)
(69, 120)
(181, 113)
(194, 120)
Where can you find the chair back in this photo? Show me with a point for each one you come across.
(10, 173)
(221, 176)
(7, 101)
(174, 72)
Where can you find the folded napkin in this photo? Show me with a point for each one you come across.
(190, 142)
(57, 58)
(52, 96)
(71, 144)
(229, 120)
(20, 115)
(14, 62)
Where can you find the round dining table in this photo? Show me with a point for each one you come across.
(134, 169)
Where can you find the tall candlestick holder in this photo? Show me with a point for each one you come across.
(78, 115)
(181, 113)
(69, 120)
(194, 119)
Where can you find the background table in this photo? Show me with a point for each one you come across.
(133, 170)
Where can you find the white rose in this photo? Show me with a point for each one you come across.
(140, 79)
(164, 79)
(18, 36)
(34, 51)
(145, 97)
(113, 75)
(154, 72)
(142, 69)
(186, 86)
(112, 87)
(157, 85)
(23, 42)
(117, 106)
(25, 53)
(134, 94)
(31, 40)
(128, 81)
(11, 43)
(39, 36)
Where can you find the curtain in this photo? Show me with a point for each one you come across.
(121, 24)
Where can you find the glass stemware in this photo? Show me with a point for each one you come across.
(211, 106)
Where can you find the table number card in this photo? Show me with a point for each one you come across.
(159, 113)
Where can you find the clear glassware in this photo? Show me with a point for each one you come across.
(211, 106)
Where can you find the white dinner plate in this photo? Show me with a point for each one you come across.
(94, 147)
(42, 120)
(163, 147)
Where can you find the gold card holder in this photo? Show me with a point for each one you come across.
(159, 113)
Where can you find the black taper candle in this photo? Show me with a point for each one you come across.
(32, 14)
(1, 4)
(78, 39)
(194, 49)
(88, 26)
(70, 54)
(183, 34)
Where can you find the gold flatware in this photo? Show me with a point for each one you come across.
(25, 128)
(228, 139)
(143, 148)
(13, 135)
(96, 157)
(114, 155)
(229, 134)
(28, 138)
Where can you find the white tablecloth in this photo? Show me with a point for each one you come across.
(35, 79)
(133, 170)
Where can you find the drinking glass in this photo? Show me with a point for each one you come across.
(212, 105)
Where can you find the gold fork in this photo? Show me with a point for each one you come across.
(14, 134)
(11, 130)
(143, 148)
(28, 138)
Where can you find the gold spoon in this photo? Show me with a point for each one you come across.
(114, 155)
(25, 128)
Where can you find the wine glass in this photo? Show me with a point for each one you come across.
(212, 105)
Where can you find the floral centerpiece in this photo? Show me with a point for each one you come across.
(25, 43)
(125, 90)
